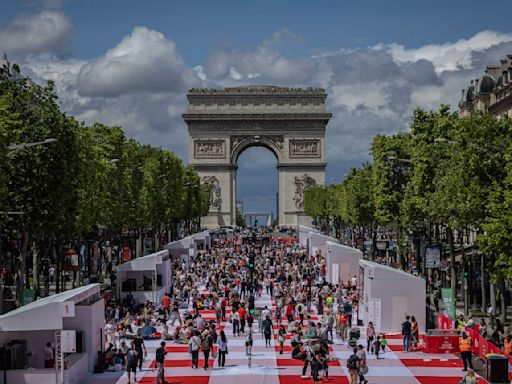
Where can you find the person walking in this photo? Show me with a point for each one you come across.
(363, 368)
(236, 323)
(206, 346)
(370, 335)
(140, 348)
(465, 351)
(329, 324)
(160, 358)
(353, 366)
(376, 347)
(308, 359)
(193, 346)
(222, 342)
(281, 337)
(131, 366)
(406, 333)
(267, 331)
(415, 333)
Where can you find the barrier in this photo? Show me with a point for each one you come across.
(480, 346)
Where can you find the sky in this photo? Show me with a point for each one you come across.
(130, 63)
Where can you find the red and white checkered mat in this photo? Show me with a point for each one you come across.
(270, 367)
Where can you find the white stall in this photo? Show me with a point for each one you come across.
(387, 294)
(342, 262)
(183, 250)
(304, 234)
(202, 240)
(318, 243)
(147, 278)
(71, 321)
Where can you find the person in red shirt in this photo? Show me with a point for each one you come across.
(242, 312)
(223, 305)
(289, 312)
(166, 303)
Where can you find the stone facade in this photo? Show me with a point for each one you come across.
(492, 93)
(290, 122)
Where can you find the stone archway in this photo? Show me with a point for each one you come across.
(290, 122)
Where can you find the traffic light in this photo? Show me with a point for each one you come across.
(466, 273)
(251, 260)
(251, 305)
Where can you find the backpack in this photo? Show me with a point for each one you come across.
(352, 362)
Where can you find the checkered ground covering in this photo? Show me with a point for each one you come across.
(269, 367)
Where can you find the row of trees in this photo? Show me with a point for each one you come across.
(446, 180)
(90, 177)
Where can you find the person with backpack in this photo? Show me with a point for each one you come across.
(206, 346)
(353, 366)
(363, 367)
(131, 366)
(160, 358)
(376, 346)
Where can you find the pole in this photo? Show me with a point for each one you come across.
(4, 358)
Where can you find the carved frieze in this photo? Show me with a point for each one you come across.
(301, 183)
(209, 149)
(304, 148)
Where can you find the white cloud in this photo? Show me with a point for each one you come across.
(144, 61)
(448, 56)
(141, 84)
(47, 31)
(264, 62)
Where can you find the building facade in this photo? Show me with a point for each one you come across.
(492, 93)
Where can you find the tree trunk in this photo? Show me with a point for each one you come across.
(20, 281)
(453, 271)
(482, 282)
(35, 267)
(503, 304)
(373, 227)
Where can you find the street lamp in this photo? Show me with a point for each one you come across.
(113, 161)
(16, 147)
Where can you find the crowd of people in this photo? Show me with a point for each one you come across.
(309, 312)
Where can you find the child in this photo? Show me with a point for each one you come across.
(376, 346)
(383, 343)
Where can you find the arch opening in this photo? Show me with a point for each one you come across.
(257, 183)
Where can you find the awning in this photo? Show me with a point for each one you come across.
(145, 263)
(47, 313)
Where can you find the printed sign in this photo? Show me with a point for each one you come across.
(68, 341)
(432, 256)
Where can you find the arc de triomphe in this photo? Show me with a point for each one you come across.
(290, 122)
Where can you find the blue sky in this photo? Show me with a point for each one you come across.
(131, 62)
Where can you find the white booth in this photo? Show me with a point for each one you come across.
(71, 321)
(147, 278)
(202, 240)
(342, 262)
(318, 243)
(387, 295)
(183, 250)
(304, 234)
